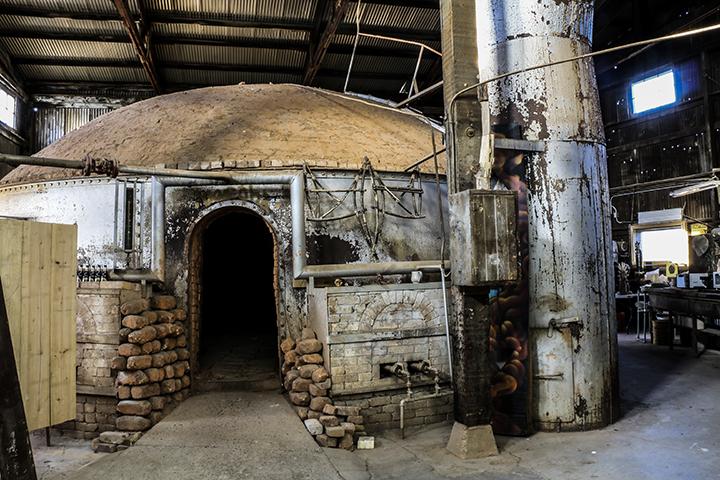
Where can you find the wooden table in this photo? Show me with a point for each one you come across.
(689, 302)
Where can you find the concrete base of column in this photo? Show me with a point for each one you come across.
(472, 442)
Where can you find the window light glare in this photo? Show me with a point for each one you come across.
(654, 92)
(665, 245)
(7, 109)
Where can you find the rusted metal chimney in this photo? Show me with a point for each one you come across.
(572, 312)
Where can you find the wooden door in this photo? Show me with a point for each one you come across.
(38, 267)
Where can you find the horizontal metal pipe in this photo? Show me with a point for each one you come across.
(168, 177)
(420, 94)
(369, 269)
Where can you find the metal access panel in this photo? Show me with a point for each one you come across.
(483, 237)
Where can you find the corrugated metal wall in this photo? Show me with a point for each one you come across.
(667, 143)
(52, 123)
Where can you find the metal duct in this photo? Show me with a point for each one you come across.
(572, 316)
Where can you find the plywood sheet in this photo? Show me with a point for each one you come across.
(38, 264)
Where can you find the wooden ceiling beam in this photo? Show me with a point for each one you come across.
(138, 44)
(323, 36)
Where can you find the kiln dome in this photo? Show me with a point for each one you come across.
(253, 125)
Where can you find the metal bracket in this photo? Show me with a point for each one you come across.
(519, 145)
(560, 323)
(556, 376)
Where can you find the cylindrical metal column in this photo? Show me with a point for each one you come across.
(573, 341)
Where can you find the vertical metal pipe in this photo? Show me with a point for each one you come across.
(157, 241)
(297, 208)
(570, 277)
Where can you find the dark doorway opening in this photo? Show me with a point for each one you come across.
(238, 311)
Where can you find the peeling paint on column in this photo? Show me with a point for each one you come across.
(568, 207)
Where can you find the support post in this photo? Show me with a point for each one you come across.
(16, 459)
(472, 435)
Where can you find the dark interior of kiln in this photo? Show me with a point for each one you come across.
(238, 328)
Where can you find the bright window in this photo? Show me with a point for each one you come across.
(666, 245)
(7, 108)
(654, 92)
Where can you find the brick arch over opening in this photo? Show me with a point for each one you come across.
(194, 254)
(394, 310)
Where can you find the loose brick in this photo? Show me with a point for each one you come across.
(145, 391)
(313, 358)
(137, 377)
(151, 347)
(168, 386)
(163, 302)
(134, 307)
(158, 403)
(155, 374)
(301, 399)
(134, 407)
(335, 432)
(118, 363)
(320, 375)
(310, 345)
(123, 392)
(129, 349)
(135, 322)
(139, 362)
(165, 317)
(318, 403)
(144, 335)
(287, 345)
(133, 423)
(306, 371)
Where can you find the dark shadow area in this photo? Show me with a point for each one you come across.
(238, 332)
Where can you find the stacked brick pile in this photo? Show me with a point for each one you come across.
(308, 384)
(153, 372)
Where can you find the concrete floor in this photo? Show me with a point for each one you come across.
(63, 458)
(668, 431)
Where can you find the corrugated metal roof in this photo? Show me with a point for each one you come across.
(68, 49)
(77, 6)
(112, 61)
(363, 63)
(206, 77)
(343, 39)
(399, 17)
(251, 9)
(83, 74)
(215, 32)
(220, 55)
(60, 25)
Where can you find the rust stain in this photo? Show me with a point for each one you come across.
(554, 302)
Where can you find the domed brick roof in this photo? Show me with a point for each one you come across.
(246, 126)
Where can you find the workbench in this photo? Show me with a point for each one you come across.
(688, 302)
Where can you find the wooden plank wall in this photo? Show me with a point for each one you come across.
(38, 266)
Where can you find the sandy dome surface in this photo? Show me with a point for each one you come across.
(252, 125)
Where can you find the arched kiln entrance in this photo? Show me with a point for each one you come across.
(233, 286)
